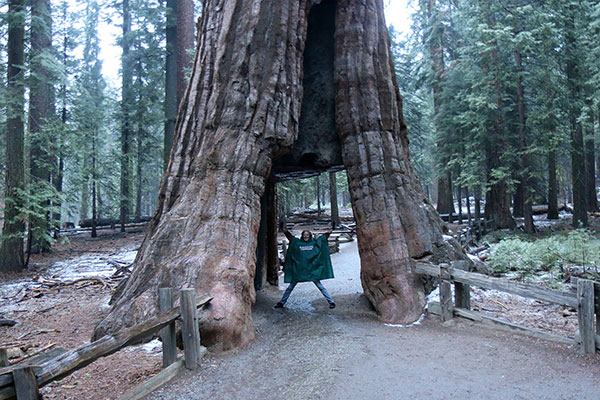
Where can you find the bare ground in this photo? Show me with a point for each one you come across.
(304, 351)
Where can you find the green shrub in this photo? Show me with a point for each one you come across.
(576, 248)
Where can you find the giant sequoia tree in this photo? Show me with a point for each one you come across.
(241, 110)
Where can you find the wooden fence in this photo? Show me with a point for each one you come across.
(586, 301)
(22, 380)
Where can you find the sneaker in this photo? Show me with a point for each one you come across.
(278, 305)
(331, 305)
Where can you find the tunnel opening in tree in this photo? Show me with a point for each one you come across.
(240, 116)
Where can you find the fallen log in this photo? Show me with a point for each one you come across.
(7, 322)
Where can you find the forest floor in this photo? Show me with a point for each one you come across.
(302, 351)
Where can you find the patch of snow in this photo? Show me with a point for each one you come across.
(153, 346)
(417, 322)
(473, 257)
(88, 266)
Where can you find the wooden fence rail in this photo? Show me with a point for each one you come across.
(16, 380)
(586, 301)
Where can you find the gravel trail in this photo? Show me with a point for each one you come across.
(307, 351)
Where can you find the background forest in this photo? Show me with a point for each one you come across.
(501, 100)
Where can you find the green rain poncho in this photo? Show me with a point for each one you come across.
(308, 261)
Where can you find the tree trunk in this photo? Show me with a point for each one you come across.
(240, 111)
(41, 112)
(574, 110)
(180, 38)
(518, 196)
(497, 205)
(459, 198)
(445, 203)
(318, 190)
(11, 249)
(552, 186)
(335, 214)
(94, 185)
(241, 108)
(395, 221)
(590, 165)
(525, 180)
(185, 43)
(126, 103)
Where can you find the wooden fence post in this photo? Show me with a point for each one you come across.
(167, 334)
(462, 291)
(4, 357)
(191, 334)
(446, 293)
(26, 386)
(585, 314)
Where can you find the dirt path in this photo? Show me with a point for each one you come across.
(307, 351)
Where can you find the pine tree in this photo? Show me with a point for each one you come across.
(88, 115)
(11, 248)
(42, 125)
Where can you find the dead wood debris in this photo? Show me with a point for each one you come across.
(33, 354)
(50, 285)
(37, 332)
(8, 322)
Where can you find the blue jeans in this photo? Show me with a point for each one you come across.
(318, 284)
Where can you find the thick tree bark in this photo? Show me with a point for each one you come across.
(395, 221)
(241, 108)
(240, 111)
(11, 249)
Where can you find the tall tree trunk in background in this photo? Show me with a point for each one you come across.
(11, 248)
(590, 165)
(139, 138)
(180, 39)
(185, 43)
(41, 113)
(497, 205)
(576, 129)
(525, 180)
(240, 111)
(552, 186)
(445, 202)
(139, 180)
(318, 190)
(170, 79)
(335, 214)
(395, 221)
(94, 183)
(126, 103)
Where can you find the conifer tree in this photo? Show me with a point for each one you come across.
(11, 248)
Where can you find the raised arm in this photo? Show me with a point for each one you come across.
(287, 234)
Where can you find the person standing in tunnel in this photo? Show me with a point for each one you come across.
(307, 260)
